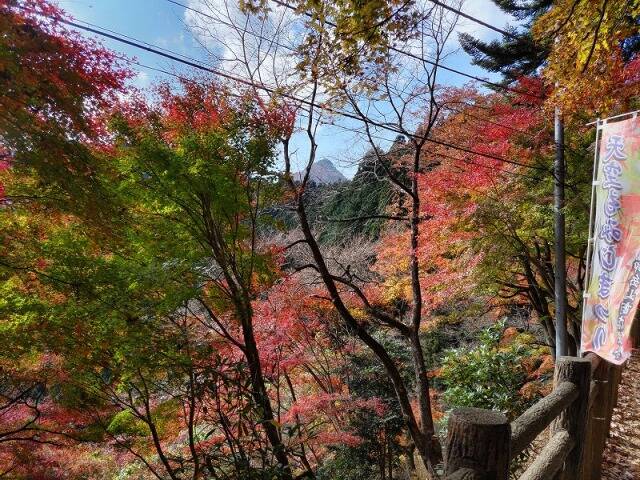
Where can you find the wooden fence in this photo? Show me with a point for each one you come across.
(481, 444)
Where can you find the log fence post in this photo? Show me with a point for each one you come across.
(573, 420)
(606, 378)
(478, 440)
(480, 443)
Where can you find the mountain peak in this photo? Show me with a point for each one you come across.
(323, 172)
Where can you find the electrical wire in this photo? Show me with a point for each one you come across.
(232, 25)
(173, 56)
(476, 20)
(397, 50)
(429, 61)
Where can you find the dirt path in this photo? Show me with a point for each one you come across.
(622, 454)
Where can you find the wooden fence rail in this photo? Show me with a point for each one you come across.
(481, 444)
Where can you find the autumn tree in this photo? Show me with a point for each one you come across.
(178, 262)
(56, 85)
(182, 331)
(172, 338)
(593, 51)
(327, 71)
(565, 41)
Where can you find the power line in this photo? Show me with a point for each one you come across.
(291, 97)
(216, 18)
(397, 50)
(171, 56)
(436, 2)
(272, 41)
(489, 167)
(428, 61)
(228, 76)
(476, 20)
(151, 45)
(232, 25)
(291, 49)
(498, 124)
(485, 120)
(294, 50)
(444, 155)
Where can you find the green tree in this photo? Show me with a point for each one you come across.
(128, 310)
(517, 55)
(359, 207)
(383, 437)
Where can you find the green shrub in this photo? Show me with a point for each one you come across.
(486, 375)
(125, 422)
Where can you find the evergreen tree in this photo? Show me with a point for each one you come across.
(512, 57)
(523, 55)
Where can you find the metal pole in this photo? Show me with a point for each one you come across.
(559, 234)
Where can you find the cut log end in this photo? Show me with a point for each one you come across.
(478, 417)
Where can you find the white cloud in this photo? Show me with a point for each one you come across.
(141, 80)
(246, 45)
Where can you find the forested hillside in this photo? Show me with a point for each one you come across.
(179, 301)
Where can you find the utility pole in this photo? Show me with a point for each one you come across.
(559, 234)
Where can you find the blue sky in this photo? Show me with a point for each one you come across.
(166, 25)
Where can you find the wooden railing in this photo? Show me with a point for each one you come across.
(481, 444)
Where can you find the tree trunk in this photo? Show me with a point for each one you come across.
(422, 442)
(424, 400)
(549, 333)
(260, 395)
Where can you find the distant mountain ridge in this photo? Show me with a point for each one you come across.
(323, 172)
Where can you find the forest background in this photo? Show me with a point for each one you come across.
(182, 298)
